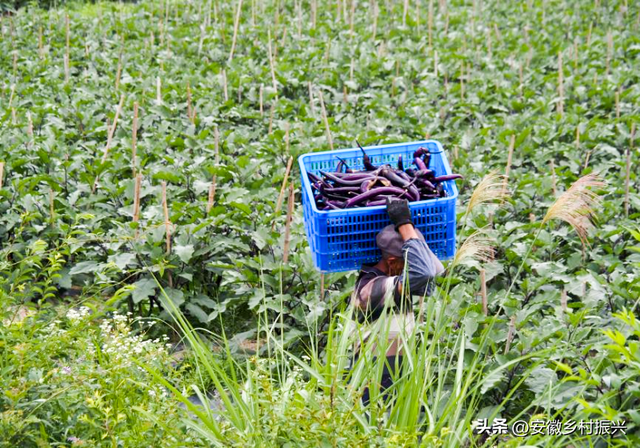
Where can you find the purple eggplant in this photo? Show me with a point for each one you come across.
(447, 177)
(373, 193)
(419, 163)
(400, 165)
(366, 161)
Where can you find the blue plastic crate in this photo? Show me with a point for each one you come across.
(342, 240)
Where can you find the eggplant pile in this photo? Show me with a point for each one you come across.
(346, 188)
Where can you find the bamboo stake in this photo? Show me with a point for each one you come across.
(322, 286)
(435, 64)
(577, 137)
(236, 23)
(1, 173)
(314, 13)
(609, 51)
(352, 16)
(483, 292)
(189, 110)
(212, 187)
(271, 115)
(510, 334)
(136, 199)
(167, 221)
(618, 103)
(40, 44)
(563, 301)
(224, 85)
(286, 136)
(521, 75)
(299, 11)
(553, 178)
(30, 126)
(283, 188)
(261, 100)
(375, 24)
(111, 131)
(118, 72)
(560, 86)
(326, 121)
(158, 90)
(507, 171)
(52, 210)
(134, 138)
(311, 106)
(628, 173)
(66, 53)
(272, 66)
(405, 12)
(287, 226)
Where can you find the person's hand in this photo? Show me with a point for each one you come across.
(399, 213)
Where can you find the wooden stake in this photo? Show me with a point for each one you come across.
(326, 121)
(212, 187)
(30, 126)
(435, 64)
(510, 334)
(286, 136)
(375, 25)
(1, 173)
(66, 53)
(40, 44)
(609, 51)
(119, 71)
(507, 170)
(563, 301)
(271, 115)
(167, 221)
(322, 286)
(158, 90)
(134, 138)
(628, 171)
(272, 66)
(111, 131)
(483, 292)
(136, 201)
(287, 226)
(618, 103)
(224, 85)
(577, 137)
(235, 30)
(560, 86)
(189, 109)
(553, 178)
(314, 13)
(52, 210)
(405, 12)
(283, 188)
(311, 105)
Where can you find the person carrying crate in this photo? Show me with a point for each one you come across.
(384, 290)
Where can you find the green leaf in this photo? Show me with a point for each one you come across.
(144, 288)
(184, 252)
(85, 267)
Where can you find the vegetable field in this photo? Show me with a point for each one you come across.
(152, 242)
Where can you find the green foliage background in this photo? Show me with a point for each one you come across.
(484, 71)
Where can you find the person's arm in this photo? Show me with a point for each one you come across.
(421, 264)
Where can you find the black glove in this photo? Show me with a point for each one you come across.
(399, 212)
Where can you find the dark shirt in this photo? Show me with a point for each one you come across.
(373, 285)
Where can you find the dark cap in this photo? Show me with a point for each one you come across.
(390, 241)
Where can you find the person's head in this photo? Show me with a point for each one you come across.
(390, 243)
